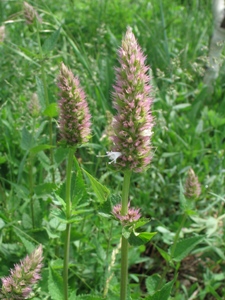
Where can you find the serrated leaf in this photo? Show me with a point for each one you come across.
(100, 190)
(162, 294)
(50, 42)
(51, 110)
(152, 283)
(72, 296)
(55, 285)
(185, 246)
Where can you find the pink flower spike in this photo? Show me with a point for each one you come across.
(133, 123)
(74, 118)
(19, 284)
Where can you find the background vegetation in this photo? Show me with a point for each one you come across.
(189, 132)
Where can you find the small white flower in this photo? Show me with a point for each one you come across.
(147, 132)
(113, 156)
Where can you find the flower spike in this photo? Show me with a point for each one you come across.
(133, 123)
(74, 120)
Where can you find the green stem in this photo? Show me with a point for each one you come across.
(184, 218)
(124, 246)
(68, 226)
(43, 77)
(31, 191)
(31, 177)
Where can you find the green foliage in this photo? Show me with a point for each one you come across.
(55, 285)
(185, 246)
(50, 43)
(163, 293)
(100, 190)
(189, 132)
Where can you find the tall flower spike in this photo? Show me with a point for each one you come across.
(19, 284)
(74, 119)
(133, 122)
(192, 185)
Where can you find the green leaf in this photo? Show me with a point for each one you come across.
(26, 221)
(162, 294)
(26, 142)
(60, 154)
(3, 159)
(164, 254)
(105, 209)
(100, 252)
(88, 297)
(2, 223)
(135, 240)
(126, 233)
(100, 190)
(50, 42)
(36, 149)
(141, 222)
(40, 92)
(51, 110)
(146, 236)
(55, 285)
(59, 201)
(25, 239)
(79, 192)
(152, 283)
(72, 296)
(181, 106)
(185, 246)
(44, 188)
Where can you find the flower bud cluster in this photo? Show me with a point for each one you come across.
(192, 185)
(132, 215)
(34, 106)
